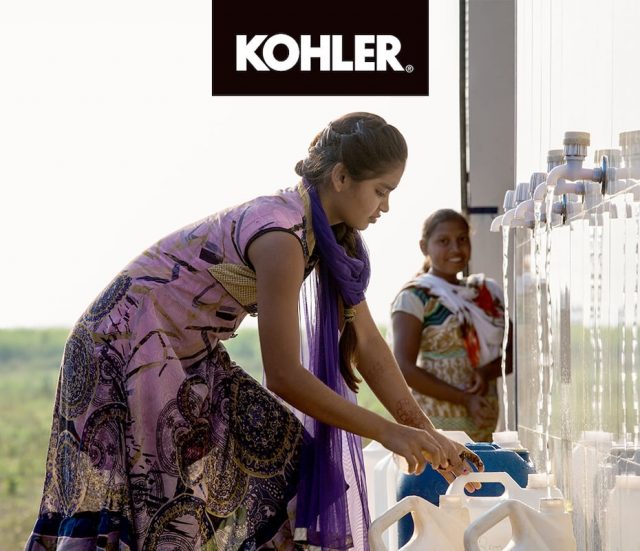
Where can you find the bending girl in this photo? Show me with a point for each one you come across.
(160, 441)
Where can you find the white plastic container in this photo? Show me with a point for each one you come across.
(500, 534)
(542, 485)
(507, 439)
(435, 528)
(548, 528)
(623, 515)
(372, 455)
(385, 482)
(458, 436)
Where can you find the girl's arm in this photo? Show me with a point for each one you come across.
(380, 370)
(378, 367)
(279, 265)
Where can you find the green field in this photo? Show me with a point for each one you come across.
(29, 361)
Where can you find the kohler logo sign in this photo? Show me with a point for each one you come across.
(371, 53)
(282, 48)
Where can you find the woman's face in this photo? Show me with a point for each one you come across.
(449, 249)
(360, 203)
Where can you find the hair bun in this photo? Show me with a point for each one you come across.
(300, 168)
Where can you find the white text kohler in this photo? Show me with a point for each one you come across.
(371, 53)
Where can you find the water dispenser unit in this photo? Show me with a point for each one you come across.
(630, 152)
(536, 179)
(592, 195)
(618, 206)
(616, 182)
(568, 177)
(571, 179)
(522, 192)
(630, 174)
(546, 527)
(614, 157)
(555, 157)
(558, 213)
(507, 204)
(523, 215)
(575, 152)
(508, 215)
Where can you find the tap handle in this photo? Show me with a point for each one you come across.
(604, 177)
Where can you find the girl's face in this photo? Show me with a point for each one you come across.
(449, 249)
(360, 203)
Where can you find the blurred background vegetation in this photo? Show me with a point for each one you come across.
(29, 364)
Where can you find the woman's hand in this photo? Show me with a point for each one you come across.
(479, 409)
(478, 384)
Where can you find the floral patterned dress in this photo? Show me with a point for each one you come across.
(449, 349)
(159, 441)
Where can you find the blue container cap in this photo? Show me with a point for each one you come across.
(479, 446)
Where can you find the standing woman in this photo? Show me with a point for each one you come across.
(448, 332)
(160, 441)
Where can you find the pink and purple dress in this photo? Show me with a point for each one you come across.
(159, 441)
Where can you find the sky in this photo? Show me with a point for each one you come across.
(110, 139)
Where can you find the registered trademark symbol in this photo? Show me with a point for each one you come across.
(409, 68)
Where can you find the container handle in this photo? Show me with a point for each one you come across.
(400, 509)
(485, 522)
(511, 487)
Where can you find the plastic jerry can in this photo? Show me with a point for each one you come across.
(510, 461)
(372, 455)
(500, 534)
(548, 528)
(541, 485)
(431, 485)
(623, 515)
(508, 440)
(382, 477)
(436, 528)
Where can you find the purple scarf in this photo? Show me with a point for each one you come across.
(332, 496)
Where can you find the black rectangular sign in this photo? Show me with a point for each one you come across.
(331, 47)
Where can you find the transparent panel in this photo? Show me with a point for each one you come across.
(578, 354)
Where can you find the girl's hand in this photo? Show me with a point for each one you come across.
(463, 458)
(417, 446)
(420, 447)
